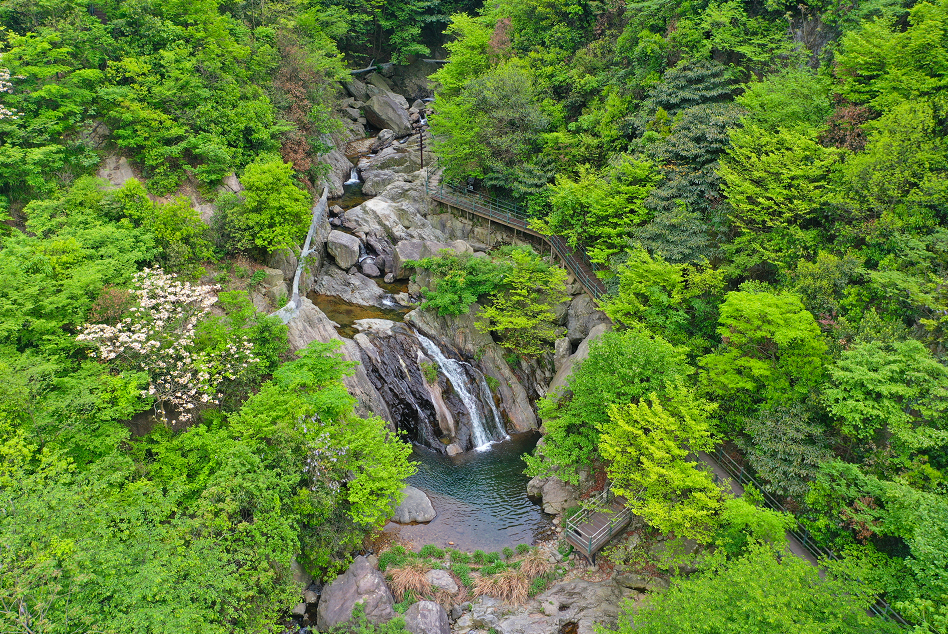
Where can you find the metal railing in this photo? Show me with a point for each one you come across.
(513, 215)
(737, 471)
(597, 505)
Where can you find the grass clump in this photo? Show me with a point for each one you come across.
(508, 552)
(479, 557)
(409, 578)
(493, 568)
(463, 571)
(535, 564)
(523, 549)
(492, 558)
(510, 586)
(393, 557)
(459, 557)
(430, 551)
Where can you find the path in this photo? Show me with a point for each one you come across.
(513, 216)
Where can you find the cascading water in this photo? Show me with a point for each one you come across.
(456, 373)
(353, 177)
(499, 431)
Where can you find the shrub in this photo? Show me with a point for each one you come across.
(460, 557)
(508, 552)
(431, 551)
(510, 586)
(493, 568)
(256, 279)
(479, 557)
(523, 549)
(394, 557)
(430, 371)
(540, 584)
(492, 557)
(492, 383)
(360, 624)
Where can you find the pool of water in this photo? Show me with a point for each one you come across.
(352, 196)
(480, 497)
(346, 314)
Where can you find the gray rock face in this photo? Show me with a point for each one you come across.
(362, 582)
(557, 495)
(375, 181)
(339, 169)
(582, 352)
(344, 248)
(354, 288)
(311, 324)
(641, 583)
(394, 220)
(587, 603)
(441, 579)
(582, 317)
(427, 617)
(383, 111)
(561, 352)
(357, 89)
(407, 250)
(414, 507)
(117, 170)
(369, 268)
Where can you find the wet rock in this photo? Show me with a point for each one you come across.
(389, 278)
(299, 610)
(384, 111)
(582, 317)
(427, 617)
(310, 597)
(442, 579)
(453, 449)
(344, 248)
(414, 507)
(361, 583)
(418, 105)
(641, 583)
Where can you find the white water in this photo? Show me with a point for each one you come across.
(456, 373)
(499, 430)
(353, 177)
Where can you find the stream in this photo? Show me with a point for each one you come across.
(480, 497)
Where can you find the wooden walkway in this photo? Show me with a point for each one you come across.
(511, 215)
(593, 528)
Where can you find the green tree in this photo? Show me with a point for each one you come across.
(457, 281)
(760, 592)
(469, 54)
(599, 209)
(276, 215)
(894, 390)
(521, 310)
(771, 349)
(775, 183)
(622, 367)
(647, 447)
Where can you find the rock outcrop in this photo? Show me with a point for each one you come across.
(344, 248)
(414, 507)
(556, 496)
(582, 352)
(384, 111)
(355, 288)
(361, 583)
(311, 324)
(427, 617)
(582, 317)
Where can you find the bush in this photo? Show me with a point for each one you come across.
(360, 624)
(508, 552)
(463, 571)
(430, 371)
(394, 557)
(431, 551)
(460, 557)
(510, 586)
(479, 557)
(522, 549)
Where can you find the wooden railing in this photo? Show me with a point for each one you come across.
(513, 215)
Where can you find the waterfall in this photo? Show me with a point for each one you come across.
(353, 177)
(456, 373)
(499, 431)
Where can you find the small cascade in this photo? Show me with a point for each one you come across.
(353, 177)
(363, 254)
(456, 372)
(498, 423)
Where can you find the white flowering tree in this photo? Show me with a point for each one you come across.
(158, 337)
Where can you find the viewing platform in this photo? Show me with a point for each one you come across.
(605, 517)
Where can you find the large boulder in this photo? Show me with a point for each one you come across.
(427, 617)
(361, 583)
(340, 168)
(414, 507)
(582, 317)
(405, 251)
(375, 181)
(344, 248)
(556, 495)
(357, 89)
(442, 579)
(383, 111)
(355, 288)
(393, 220)
(587, 603)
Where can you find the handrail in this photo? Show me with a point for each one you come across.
(880, 608)
(512, 214)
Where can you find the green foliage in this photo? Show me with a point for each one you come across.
(359, 623)
(600, 209)
(895, 390)
(622, 367)
(276, 215)
(757, 592)
(457, 281)
(394, 557)
(743, 524)
(796, 99)
(431, 551)
(521, 310)
(647, 448)
(463, 571)
(771, 349)
(469, 54)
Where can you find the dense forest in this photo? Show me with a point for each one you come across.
(763, 187)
